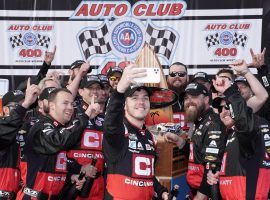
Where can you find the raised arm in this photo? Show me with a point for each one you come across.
(260, 94)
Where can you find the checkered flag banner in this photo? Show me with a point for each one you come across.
(16, 41)
(95, 41)
(239, 39)
(161, 40)
(43, 41)
(212, 40)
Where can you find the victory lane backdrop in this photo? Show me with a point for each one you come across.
(204, 35)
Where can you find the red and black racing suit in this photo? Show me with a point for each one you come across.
(206, 146)
(21, 140)
(130, 154)
(46, 156)
(89, 147)
(263, 183)
(264, 78)
(10, 175)
(240, 166)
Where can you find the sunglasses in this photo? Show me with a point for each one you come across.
(221, 107)
(180, 74)
(114, 78)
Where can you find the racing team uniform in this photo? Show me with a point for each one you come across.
(264, 173)
(264, 78)
(263, 183)
(206, 146)
(21, 140)
(89, 147)
(130, 154)
(46, 156)
(10, 175)
(242, 156)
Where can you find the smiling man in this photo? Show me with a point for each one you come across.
(46, 144)
(129, 147)
(245, 150)
(207, 141)
(177, 81)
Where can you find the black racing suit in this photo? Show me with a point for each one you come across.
(206, 146)
(10, 175)
(263, 183)
(21, 140)
(45, 152)
(240, 166)
(130, 154)
(264, 78)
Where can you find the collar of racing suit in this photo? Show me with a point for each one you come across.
(135, 128)
(203, 116)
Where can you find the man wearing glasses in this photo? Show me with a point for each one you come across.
(10, 100)
(114, 75)
(177, 81)
(15, 106)
(244, 149)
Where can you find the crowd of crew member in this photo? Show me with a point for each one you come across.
(89, 133)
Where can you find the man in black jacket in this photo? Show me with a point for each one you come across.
(9, 126)
(46, 144)
(129, 148)
(207, 141)
(244, 149)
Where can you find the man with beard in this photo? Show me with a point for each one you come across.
(245, 149)
(129, 148)
(177, 81)
(41, 110)
(207, 141)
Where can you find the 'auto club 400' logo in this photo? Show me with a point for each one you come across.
(227, 40)
(127, 37)
(28, 41)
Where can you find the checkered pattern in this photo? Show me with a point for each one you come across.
(16, 41)
(239, 39)
(212, 40)
(43, 41)
(95, 41)
(161, 40)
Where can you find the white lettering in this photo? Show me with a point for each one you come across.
(138, 183)
(56, 178)
(87, 155)
(225, 182)
(91, 139)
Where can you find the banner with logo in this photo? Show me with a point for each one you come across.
(105, 33)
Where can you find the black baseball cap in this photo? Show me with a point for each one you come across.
(241, 79)
(104, 79)
(217, 101)
(45, 93)
(76, 64)
(131, 89)
(113, 70)
(196, 89)
(12, 96)
(89, 80)
(202, 76)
